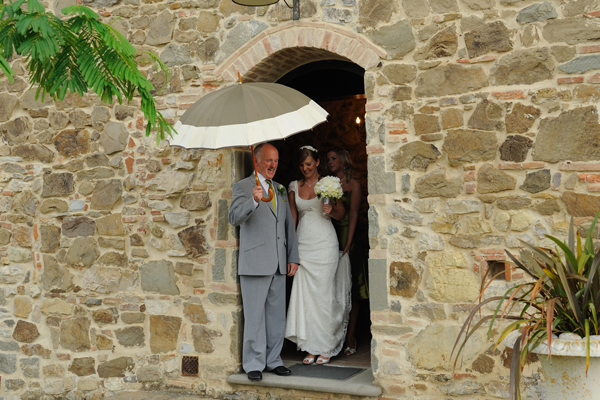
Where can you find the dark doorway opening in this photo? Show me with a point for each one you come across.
(338, 87)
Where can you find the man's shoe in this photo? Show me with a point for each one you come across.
(255, 375)
(281, 371)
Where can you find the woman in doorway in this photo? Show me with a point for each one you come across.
(340, 165)
(320, 298)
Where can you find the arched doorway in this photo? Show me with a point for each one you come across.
(338, 86)
(311, 59)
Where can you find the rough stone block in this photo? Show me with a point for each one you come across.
(378, 279)
(159, 277)
(380, 181)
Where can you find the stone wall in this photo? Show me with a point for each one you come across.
(117, 259)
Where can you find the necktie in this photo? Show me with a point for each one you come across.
(273, 200)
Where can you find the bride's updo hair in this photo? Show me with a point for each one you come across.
(304, 152)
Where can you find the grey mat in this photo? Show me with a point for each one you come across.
(324, 371)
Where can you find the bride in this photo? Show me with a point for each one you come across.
(320, 300)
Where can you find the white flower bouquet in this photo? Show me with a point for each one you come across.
(328, 188)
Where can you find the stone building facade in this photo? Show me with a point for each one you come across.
(116, 256)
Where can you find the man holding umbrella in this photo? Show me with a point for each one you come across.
(268, 251)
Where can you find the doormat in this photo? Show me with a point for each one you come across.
(324, 371)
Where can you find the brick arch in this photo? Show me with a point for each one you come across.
(297, 43)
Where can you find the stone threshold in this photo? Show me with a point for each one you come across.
(357, 385)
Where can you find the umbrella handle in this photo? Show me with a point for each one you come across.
(257, 180)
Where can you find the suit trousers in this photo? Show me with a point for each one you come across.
(263, 299)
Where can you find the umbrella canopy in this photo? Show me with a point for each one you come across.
(245, 115)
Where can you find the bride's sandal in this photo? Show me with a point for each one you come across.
(309, 359)
(349, 351)
(323, 360)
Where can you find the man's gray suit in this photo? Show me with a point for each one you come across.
(267, 245)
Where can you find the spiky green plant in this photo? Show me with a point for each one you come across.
(562, 295)
(77, 54)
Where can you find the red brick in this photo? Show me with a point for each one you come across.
(390, 352)
(593, 14)
(569, 166)
(512, 94)
(470, 176)
(569, 80)
(594, 78)
(464, 375)
(470, 188)
(518, 275)
(129, 164)
(510, 166)
(589, 49)
(130, 307)
(225, 287)
(399, 132)
(397, 389)
(267, 45)
(227, 243)
(492, 251)
(159, 218)
(594, 188)
(534, 165)
(129, 219)
(482, 59)
(375, 149)
(373, 106)
(591, 178)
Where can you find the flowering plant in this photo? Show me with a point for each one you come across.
(281, 190)
(329, 187)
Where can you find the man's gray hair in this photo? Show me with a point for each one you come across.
(258, 150)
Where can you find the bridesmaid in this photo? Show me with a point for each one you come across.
(339, 164)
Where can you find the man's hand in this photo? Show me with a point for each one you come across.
(292, 268)
(258, 193)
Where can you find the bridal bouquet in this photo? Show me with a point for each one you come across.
(329, 187)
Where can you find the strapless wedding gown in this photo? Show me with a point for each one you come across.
(320, 301)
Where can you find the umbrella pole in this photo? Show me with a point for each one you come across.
(257, 180)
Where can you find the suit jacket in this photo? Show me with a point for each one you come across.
(266, 240)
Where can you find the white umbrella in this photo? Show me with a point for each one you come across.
(246, 115)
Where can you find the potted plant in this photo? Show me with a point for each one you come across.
(555, 314)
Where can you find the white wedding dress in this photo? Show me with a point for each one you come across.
(320, 301)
